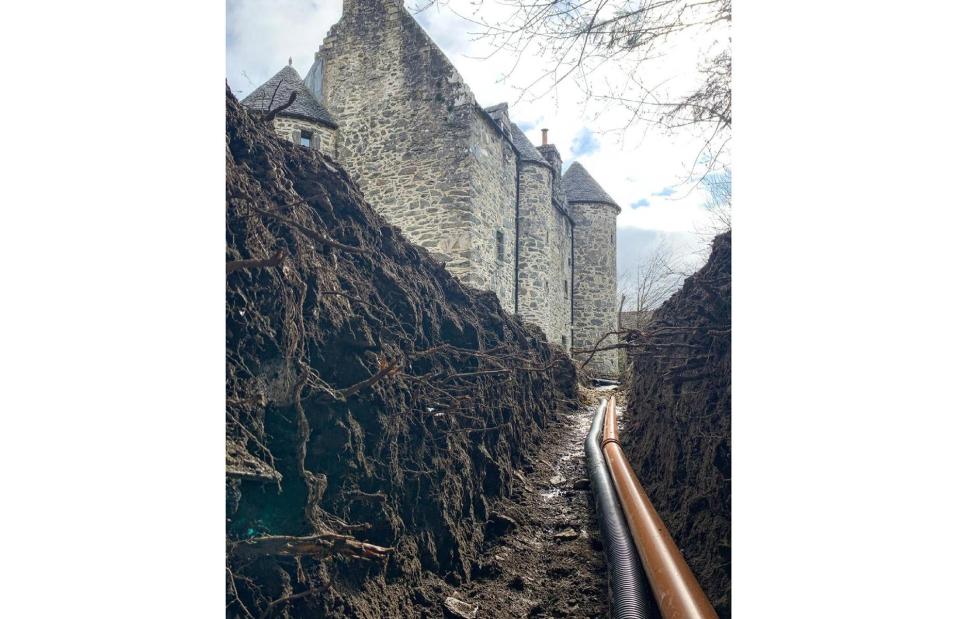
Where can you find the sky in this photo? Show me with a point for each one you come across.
(646, 171)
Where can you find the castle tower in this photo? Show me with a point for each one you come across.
(556, 226)
(540, 275)
(307, 122)
(426, 156)
(594, 253)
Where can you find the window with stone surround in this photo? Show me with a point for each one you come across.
(306, 138)
(500, 246)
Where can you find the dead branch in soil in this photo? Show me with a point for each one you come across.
(272, 261)
(319, 545)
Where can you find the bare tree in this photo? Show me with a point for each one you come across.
(605, 47)
(645, 288)
(720, 203)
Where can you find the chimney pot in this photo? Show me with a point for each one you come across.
(545, 139)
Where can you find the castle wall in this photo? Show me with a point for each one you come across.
(536, 282)
(324, 138)
(560, 269)
(493, 197)
(594, 287)
(402, 112)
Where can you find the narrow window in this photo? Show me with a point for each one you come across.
(547, 235)
(500, 246)
(565, 289)
(564, 341)
(306, 138)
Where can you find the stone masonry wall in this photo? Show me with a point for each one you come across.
(403, 114)
(594, 288)
(560, 269)
(493, 196)
(324, 138)
(535, 280)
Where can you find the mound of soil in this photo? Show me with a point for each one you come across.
(375, 406)
(677, 431)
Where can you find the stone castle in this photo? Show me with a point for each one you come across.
(461, 180)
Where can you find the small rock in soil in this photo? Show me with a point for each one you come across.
(459, 608)
(566, 534)
(557, 480)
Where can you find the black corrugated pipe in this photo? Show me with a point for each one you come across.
(630, 594)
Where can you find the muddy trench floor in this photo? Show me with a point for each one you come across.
(549, 562)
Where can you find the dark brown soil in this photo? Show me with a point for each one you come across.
(677, 429)
(550, 564)
(370, 398)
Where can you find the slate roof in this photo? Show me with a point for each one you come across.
(305, 106)
(527, 152)
(581, 187)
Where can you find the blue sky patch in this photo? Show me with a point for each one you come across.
(584, 143)
(640, 203)
(666, 191)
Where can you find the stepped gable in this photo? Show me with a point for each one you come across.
(581, 187)
(283, 83)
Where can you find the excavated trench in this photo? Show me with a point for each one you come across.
(397, 445)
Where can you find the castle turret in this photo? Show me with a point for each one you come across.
(307, 122)
(594, 253)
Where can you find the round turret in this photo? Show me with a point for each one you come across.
(594, 269)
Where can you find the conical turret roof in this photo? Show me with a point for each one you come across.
(282, 84)
(581, 187)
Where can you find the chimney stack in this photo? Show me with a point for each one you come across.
(545, 139)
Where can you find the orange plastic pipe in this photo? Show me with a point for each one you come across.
(677, 591)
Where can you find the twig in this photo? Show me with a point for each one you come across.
(283, 600)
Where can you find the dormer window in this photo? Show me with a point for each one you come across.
(306, 138)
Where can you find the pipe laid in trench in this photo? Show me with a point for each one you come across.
(677, 591)
(630, 597)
